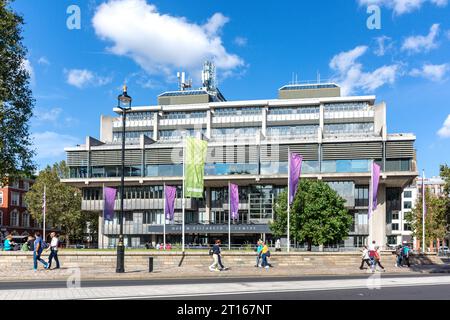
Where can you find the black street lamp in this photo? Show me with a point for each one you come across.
(124, 104)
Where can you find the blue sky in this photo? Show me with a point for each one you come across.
(77, 74)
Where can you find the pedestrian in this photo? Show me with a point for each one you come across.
(377, 260)
(265, 253)
(158, 246)
(365, 258)
(405, 254)
(9, 244)
(38, 248)
(278, 245)
(217, 261)
(398, 253)
(259, 247)
(53, 250)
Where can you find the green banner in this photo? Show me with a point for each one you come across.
(195, 158)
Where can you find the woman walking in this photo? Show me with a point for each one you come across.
(377, 260)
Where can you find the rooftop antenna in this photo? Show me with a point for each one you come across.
(209, 80)
(182, 84)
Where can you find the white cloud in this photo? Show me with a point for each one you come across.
(444, 132)
(43, 61)
(51, 144)
(384, 44)
(161, 43)
(26, 65)
(82, 78)
(432, 72)
(403, 6)
(51, 115)
(422, 43)
(350, 74)
(240, 41)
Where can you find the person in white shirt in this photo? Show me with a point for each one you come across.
(53, 251)
(365, 258)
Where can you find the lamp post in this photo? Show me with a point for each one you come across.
(124, 104)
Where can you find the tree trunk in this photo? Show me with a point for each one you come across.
(309, 245)
(67, 240)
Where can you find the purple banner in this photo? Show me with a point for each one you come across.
(109, 196)
(234, 201)
(169, 208)
(295, 169)
(375, 180)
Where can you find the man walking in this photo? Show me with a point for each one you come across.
(405, 254)
(38, 248)
(365, 258)
(216, 256)
(53, 251)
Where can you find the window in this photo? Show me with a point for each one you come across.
(26, 219)
(406, 227)
(153, 217)
(395, 227)
(407, 194)
(407, 205)
(395, 215)
(362, 196)
(1, 198)
(15, 219)
(15, 198)
(26, 185)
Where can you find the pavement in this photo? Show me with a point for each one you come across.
(187, 272)
(378, 285)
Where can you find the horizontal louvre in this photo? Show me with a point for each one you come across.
(399, 149)
(114, 157)
(350, 151)
(77, 158)
(274, 153)
(164, 156)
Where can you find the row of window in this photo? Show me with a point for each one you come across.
(184, 115)
(355, 106)
(345, 128)
(226, 112)
(296, 110)
(15, 199)
(396, 226)
(16, 221)
(292, 130)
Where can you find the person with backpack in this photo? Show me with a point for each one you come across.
(398, 253)
(265, 253)
(259, 247)
(217, 261)
(38, 248)
(405, 254)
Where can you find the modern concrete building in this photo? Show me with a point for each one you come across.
(338, 136)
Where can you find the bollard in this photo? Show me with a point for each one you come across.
(150, 264)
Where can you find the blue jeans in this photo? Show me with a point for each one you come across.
(53, 254)
(36, 258)
(264, 260)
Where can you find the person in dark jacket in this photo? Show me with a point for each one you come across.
(216, 257)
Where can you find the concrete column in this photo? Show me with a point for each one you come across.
(378, 219)
(264, 121)
(208, 204)
(102, 239)
(208, 124)
(155, 126)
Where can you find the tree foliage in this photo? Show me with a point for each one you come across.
(435, 220)
(16, 101)
(63, 202)
(318, 215)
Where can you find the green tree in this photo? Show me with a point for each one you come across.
(63, 202)
(317, 216)
(435, 220)
(16, 101)
(445, 174)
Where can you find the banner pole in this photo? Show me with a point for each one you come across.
(423, 211)
(164, 213)
(183, 201)
(370, 204)
(229, 216)
(288, 201)
(45, 211)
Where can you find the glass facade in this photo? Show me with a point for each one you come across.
(184, 115)
(232, 112)
(130, 136)
(235, 132)
(342, 166)
(146, 115)
(349, 128)
(293, 131)
(171, 135)
(294, 110)
(348, 106)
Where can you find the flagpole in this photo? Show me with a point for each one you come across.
(288, 200)
(45, 209)
(164, 211)
(183, 202)
(370, 204)
(423, 211)
(102, 226)
(229, 216)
